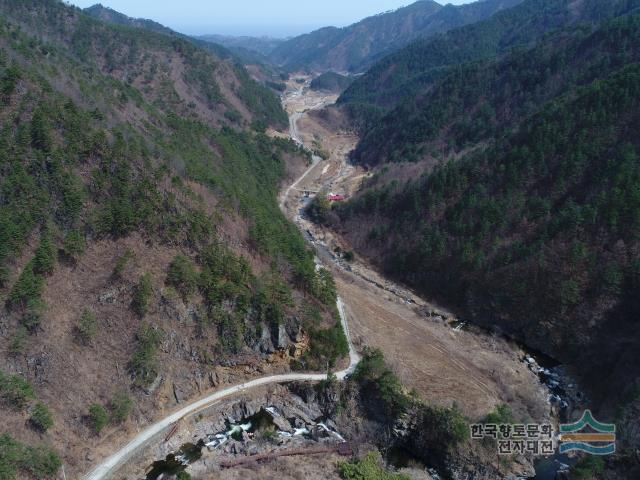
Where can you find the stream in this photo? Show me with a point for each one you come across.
(177, 462)
(562, 390)
(267, 427)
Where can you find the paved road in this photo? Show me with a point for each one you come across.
(114, 462)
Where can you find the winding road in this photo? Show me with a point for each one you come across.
(295, 136)
(285, 195)
(111, 465)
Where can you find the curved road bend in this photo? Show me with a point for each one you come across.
(283, 199)
(111, 464)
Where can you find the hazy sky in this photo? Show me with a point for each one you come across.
(252, 17)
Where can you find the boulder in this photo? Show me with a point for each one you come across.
(214, 380)
(298, 423)
(40, 367)
(110, 296)
(281, 423)
(264, 343)
(178, 393)
(241, 410)
(294, 330)
(295, 414)
(319, 433)
(279, 337)
(154, 385)
(235, 447)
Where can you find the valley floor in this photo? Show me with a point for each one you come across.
(444, 365)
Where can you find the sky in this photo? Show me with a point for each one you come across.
(276, 18)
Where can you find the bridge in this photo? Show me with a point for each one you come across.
(306, 191)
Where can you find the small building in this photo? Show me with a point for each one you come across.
(332, 197)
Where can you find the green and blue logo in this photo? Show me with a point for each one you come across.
(588, 435)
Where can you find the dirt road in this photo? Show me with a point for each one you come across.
(296, 112)
(108, 467)
(153, 433)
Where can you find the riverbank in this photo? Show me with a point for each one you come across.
(425, 344)
(476, 371)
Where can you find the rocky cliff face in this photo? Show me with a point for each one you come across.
(304, 418)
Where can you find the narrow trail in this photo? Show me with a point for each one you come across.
(110, 466)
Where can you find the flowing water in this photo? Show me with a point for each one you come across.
(260, 424)
(545, 367)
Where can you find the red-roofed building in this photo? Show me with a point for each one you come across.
(336, 198)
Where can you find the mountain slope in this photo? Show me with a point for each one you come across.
(509, 186)
(262, 45)
(537, 236)
(256, 94)
(108, 15)
(475, 102)
(224, 87)
(356, 47)
(143, 256)
(411, 71)
(331, 82)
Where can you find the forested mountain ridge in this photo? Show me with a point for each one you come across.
(522, 204)
(537, 235)
(500, 94)
(331, 82)
(141, 244)
(167, 69)
(108, 15)
(411, 71)
(358, 46)
(237, 58)
(262, 45)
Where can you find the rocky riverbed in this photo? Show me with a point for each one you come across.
(266, 421)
